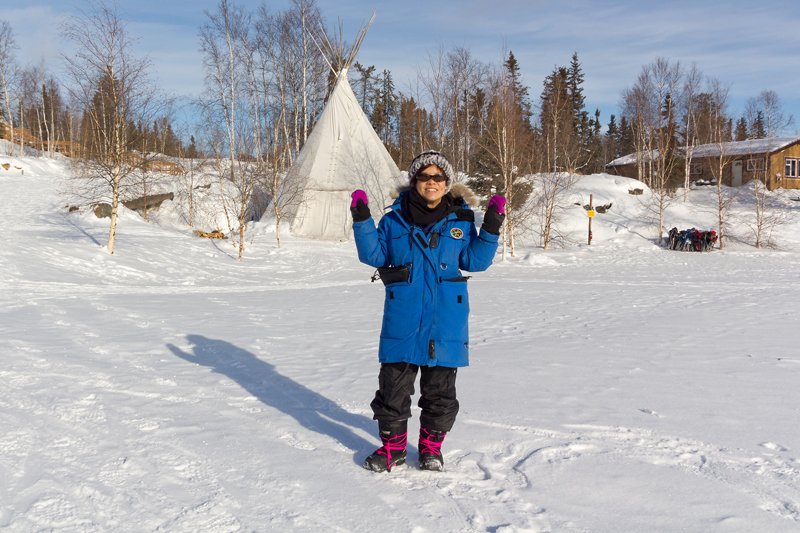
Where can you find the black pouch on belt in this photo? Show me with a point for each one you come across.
(393, 274)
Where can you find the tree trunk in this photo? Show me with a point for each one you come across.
(190, 195)
(21, 130)
(721, 216)
(112, 232)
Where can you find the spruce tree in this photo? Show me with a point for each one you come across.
(365, 84)
(611, 140)
(191, 152)
(596, 163)
(757, 129)
(555, 94)
(384, 107)
(575, 88)
(520, 91)
(741, 130)
(626, 143)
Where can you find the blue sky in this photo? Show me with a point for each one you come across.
(750, 45)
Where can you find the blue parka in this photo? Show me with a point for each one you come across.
(425, 320)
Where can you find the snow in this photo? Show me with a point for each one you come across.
(612, 387)
(752, 146)
(631, 159)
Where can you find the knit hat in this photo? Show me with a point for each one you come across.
(426, 159)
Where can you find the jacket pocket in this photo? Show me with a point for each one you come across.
(453, 309)
(400, 315)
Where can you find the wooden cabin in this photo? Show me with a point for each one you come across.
(627, 166)
(774, 161)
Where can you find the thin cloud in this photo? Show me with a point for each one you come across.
(749, 45)
(36, 28)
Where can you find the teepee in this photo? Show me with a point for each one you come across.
(342, 154)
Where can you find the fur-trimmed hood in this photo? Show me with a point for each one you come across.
(458, 190)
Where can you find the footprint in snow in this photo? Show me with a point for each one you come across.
(294, 443)
(773, 446)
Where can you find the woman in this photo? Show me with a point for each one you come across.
(420, 248)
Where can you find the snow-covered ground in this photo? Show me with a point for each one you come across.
(618, 387)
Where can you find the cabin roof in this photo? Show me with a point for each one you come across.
(734, 148)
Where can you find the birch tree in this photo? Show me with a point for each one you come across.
(691, 88)
(8, 71)
(719, 94)
(291, 74)
(268, 116)
(651, 105)
(437, 94)
(112, 87)
(467, 75)
(765, 111)
(190, 164)
(507, 139)
(223, 42)
(559, 154)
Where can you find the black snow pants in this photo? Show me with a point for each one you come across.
(437, 400)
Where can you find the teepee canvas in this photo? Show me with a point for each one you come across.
(342, 154)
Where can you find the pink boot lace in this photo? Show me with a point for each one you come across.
(394, 444)
(427, 444)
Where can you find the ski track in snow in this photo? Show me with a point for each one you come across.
(146, 392)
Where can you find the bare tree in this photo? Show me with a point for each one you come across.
(422, 138)
(224, 42)
(290, 72)
(549, 201)
(720, 139)
(274, 49)
(269, 113)
(652, 106)
(635, 106)
(147, 178)
(191, 163)
(284, 191)
(112, 87)
(8, 71)
(437, 94)
(559, 154)
(466, 74)
(261, 100)
(38, 92)
(691, 88)
(768, 108)
(508, 141)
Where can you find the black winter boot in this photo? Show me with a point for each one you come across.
(430, 449)
(393, 451)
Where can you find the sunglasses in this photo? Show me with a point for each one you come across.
(438, 178)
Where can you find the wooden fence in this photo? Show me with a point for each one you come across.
(74, 149)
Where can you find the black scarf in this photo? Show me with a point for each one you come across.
(417, 212)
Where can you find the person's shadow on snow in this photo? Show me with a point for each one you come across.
(312, 410)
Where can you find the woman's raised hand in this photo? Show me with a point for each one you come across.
(358, 207)
(495, 215)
